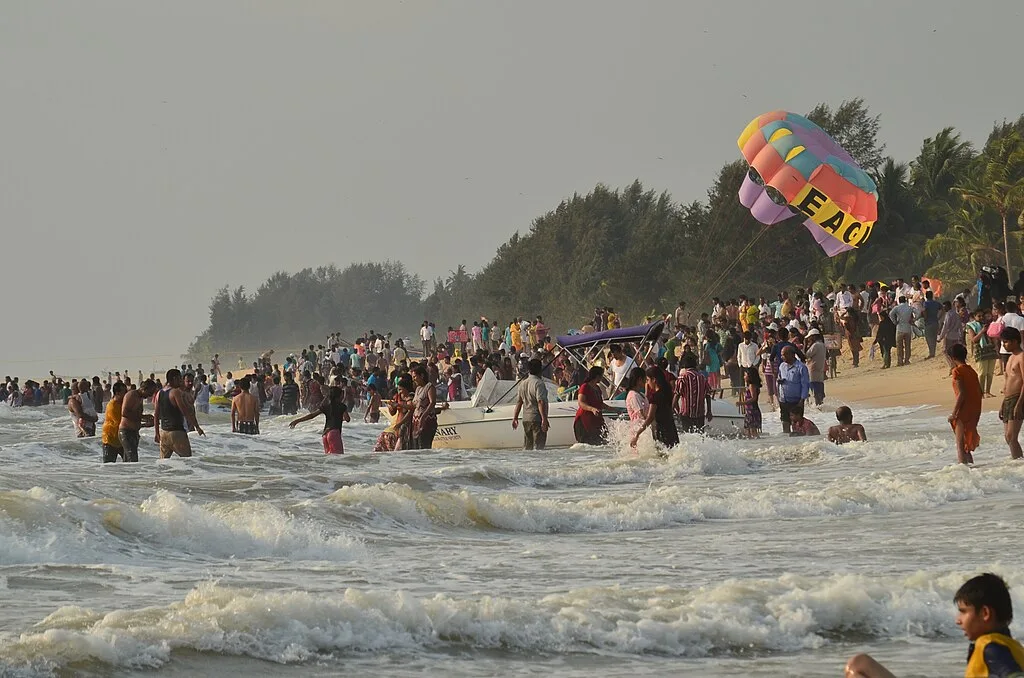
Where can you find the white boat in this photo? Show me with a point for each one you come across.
(485, 421)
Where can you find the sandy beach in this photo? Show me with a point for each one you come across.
(921, 382)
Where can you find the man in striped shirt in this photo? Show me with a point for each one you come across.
(692, 397)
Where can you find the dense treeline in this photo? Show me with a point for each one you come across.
(291, 310)
(945, 213)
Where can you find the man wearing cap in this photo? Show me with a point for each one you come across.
(817, 356)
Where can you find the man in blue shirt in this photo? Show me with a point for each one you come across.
(930, 313)
(794, 384)
(780, 346)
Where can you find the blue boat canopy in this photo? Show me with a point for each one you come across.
(638, 333)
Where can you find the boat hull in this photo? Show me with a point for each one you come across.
(477, 428)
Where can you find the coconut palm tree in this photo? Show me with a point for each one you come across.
(1001, 185)
(941, 165)
(965, 247)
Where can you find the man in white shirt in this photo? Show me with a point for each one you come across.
(680, 314)
(398, 356)
(748, 353)
(426, 335)
(844, 299)
(1011, 319)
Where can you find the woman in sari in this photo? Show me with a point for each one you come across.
(516, 335)
(636, 401)
(588, 426)
(659, 417)
(398, 436)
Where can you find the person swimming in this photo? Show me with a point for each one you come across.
(846, 431)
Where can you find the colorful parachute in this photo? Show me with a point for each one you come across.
(798, 169)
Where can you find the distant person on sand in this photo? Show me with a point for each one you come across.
(846, 431)
(245, 410)
(984, 612)
(967, 409)
(984, 351)
(1012, 411)
(903, 316)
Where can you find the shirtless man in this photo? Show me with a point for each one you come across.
(132, 418)
(846, 431)
(1012, 411)
(245, 410)
(82, 413)
(173, 408)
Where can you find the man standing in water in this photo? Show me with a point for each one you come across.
(173, 408)
(794, 384)
(289, 395)
(132, 419)
(83, 414)
(1012, 411)
(245, 410)
(532, 401)
(112, 448)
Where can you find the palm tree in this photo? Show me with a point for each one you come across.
(965, 247)
(941, 165)
(1001, 187)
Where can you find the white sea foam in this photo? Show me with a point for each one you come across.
(788, 613)
(665, 506)
(37, 526)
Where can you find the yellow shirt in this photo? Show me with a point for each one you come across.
(112, 422)
(976, 665)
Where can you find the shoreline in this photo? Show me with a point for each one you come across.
(923, 382)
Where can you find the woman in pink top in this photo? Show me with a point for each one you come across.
(994, 329)
(636, 401)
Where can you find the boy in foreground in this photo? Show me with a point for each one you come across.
(984, 612)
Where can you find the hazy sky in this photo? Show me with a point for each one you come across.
(154, 151)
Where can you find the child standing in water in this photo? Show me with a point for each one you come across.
(748, 401)
(373, 405)
(335, 413)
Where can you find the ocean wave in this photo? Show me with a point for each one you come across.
(671, 505)
(736, 617)
(37, 526)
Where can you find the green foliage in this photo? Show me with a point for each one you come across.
(943, 212)
(291, 310)
(856, 130)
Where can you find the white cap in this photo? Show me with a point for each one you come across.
(773, 326)
(814, 332)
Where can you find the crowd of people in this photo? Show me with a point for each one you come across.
(786, 348)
